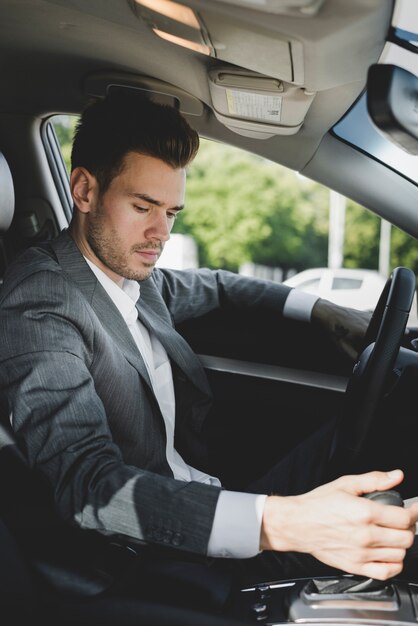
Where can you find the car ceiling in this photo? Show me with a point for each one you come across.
(49, 48)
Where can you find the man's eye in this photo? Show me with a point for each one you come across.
(141, 209)
(172, 216)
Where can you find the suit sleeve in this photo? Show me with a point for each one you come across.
(192, 293)
(61, 425)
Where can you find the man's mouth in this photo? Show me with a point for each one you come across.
(150, 254)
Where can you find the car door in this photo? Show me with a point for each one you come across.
(273, 382)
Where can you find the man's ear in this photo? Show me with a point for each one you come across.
(84, 188)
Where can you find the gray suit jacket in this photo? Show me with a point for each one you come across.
(81, 402)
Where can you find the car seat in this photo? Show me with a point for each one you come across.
(7, 203)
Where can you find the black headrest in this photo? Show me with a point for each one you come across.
(7, 195)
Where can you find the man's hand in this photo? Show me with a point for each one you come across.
(345, 326)
(341, 529)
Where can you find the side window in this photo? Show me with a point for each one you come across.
(252, 216)
(58, 133)
(64, 127)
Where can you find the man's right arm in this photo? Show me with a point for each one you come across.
(341, 529)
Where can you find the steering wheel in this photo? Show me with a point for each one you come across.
(371, 374)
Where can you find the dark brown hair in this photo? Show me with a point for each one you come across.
(126, 121)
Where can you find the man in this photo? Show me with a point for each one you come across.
(107, 401)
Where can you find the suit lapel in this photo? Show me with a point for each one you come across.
(73, 263)
(177, 348)
(116, 327)
(152, 312)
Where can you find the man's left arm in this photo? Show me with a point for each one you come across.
(189, 294)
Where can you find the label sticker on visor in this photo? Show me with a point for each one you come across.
(266, 108)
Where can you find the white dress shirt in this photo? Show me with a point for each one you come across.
(237, 523)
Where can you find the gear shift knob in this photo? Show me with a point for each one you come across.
(385, 497)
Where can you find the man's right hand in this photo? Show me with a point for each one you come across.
(340, 528)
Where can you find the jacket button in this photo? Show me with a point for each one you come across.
(167, 536)
(177, 539)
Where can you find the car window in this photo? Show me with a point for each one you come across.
(64, 126)
(346, 283)
(249, 215)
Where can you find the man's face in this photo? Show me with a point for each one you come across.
(125, 229)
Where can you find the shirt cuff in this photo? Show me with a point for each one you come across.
(299, 305)
(236, 526)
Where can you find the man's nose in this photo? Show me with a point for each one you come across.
(160, 227)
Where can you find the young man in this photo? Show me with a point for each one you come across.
(107, 401)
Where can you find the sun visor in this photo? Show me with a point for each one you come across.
(99, 84)
(257, 106)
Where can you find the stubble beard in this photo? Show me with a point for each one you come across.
(108, 248)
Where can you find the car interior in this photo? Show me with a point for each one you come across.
(327, 88)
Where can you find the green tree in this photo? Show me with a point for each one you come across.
(362, 241)
(241, 208)
(64, 126)
(404, 250)
(362, 233)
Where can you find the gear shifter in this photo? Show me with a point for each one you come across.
(337, 599)
(356, 584)
(385, 497)
(366, 585)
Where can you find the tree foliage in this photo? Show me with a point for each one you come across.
(404, 250)
(241, 208)
(362, 232)
(64, 126)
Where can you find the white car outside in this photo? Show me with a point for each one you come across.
(180, 253)
(356, 288)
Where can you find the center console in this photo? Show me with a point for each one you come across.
(337, 600)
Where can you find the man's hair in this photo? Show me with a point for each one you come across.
(126, 121)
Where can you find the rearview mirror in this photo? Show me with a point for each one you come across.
(392, 103)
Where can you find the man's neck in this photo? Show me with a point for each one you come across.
(82, 244)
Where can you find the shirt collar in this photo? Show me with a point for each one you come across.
(124, 298)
